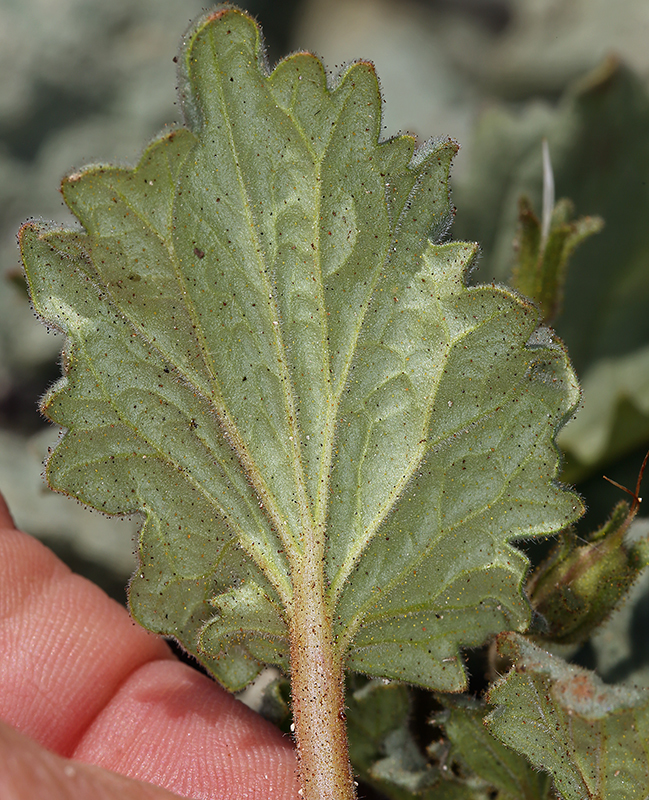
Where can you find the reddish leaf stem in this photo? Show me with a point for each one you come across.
(317, 687)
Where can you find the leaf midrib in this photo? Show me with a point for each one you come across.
(294, 545)
(322, 494)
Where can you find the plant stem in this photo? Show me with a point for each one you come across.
(317, 688)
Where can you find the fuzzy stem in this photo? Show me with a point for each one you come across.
(318, 693)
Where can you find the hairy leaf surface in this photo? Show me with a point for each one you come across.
(592, 738)
(268, 337)
(475, 753)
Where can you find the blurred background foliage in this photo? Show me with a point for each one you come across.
(86, 80)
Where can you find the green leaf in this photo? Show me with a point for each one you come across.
(375, 709)
(598, 141)
(540, 268)
(468, 763)
(273, 359)
(276, 703)
(479, 755)
(382, 749)
(592, 738)
(614, 417)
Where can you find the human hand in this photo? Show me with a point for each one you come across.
(84, 682)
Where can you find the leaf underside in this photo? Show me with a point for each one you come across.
(265, 333)
(592, 738)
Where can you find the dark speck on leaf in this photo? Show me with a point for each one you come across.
(199, 253)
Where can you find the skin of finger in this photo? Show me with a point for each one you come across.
(29, 771)
(72, 656)
(160, 727)
(67, 647)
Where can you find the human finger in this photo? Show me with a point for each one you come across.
(83, 680)
(30, 771)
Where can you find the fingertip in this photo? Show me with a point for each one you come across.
(28, 770)
(6, 520)
(190, 735)
(67, 645)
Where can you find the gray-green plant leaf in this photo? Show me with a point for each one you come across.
(481, 757)
(540, 269)
(614, 417)
(382, 749)
(592, 738)
(595, 133)
(467, 763)
(266, 339)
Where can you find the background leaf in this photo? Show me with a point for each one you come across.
(589, 736)
(601, 121)
(596, 133)
(382, 749)
(477, 756)
(615, 415)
